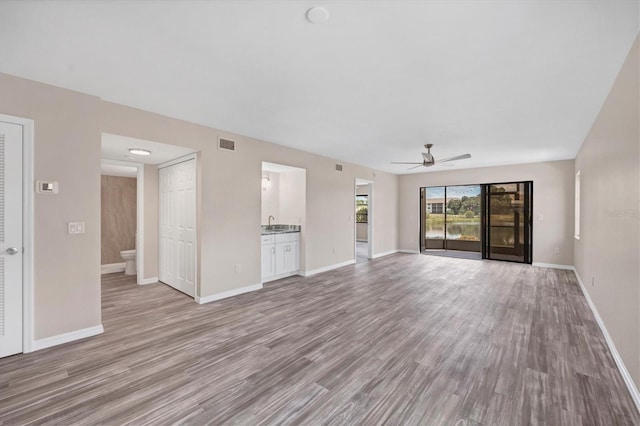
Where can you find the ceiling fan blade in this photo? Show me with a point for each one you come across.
(459, 157)
(404, 162)
(414, 167)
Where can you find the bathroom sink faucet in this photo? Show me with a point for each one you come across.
(271, 217)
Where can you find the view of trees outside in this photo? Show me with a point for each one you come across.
(362, 209)
(463, 213)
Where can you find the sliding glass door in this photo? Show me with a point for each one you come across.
(490, 221)
(507, 221)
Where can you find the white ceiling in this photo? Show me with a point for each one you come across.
(506, 81)
(116, 147)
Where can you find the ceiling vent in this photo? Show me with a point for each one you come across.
(338, 167)
(227, 144)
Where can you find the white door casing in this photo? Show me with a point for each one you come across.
(178, 226)
(11, 247)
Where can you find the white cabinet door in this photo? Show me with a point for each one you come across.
(293, 257)
(178, 226)
(268, 260)
(281, 258)
(10, 239)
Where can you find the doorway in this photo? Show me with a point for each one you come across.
(148, 157)
(122, 218)
(363, 221)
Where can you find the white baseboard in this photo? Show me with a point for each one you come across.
(327, 268)
(48, 342)
(553, 266)
(408, 251)
(151, 280)
(112, 268)
(281, 276)
(631, 386)
(226, 294)
(386, 253)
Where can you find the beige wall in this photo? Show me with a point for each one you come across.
(552, 198)
(66, 149)
(608, 252)
(271, 199)
(118, 217)
(292, 197)
(151, 225)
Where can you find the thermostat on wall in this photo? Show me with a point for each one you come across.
(46, 187)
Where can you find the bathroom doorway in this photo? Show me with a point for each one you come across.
(121, 186)
(141, 160)
(363, 220)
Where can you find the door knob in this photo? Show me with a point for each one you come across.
(12, 251)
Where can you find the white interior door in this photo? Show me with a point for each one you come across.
(178, 226)
(10, 239)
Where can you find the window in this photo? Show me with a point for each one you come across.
(577, 206)
(362, 208)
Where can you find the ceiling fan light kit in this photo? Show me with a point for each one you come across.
(429, 160)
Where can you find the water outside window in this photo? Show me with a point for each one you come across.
(462, 207)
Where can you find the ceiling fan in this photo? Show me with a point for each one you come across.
(429, 160)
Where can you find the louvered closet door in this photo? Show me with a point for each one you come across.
(10, 239)
(178, 226)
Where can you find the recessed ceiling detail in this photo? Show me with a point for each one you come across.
(507, 82)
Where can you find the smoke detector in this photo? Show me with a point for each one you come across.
(317, 15)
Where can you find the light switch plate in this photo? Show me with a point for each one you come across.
(46, 187)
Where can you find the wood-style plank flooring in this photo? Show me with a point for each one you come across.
(404, 339)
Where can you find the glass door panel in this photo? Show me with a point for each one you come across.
(463, 218)
(509, 222)
(434, 217)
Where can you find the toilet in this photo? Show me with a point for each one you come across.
(129, 256)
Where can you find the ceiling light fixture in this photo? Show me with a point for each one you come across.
(317, 15)
(139, 151)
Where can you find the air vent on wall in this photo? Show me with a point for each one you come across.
(227, 144)
(338, 167)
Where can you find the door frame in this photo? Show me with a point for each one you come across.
(370, 215)
(140, 280)
(196, 253)
(27, 227)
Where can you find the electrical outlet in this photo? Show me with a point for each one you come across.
(540, 216)
(593, 281)
(334, 250)
(75, 228)
(238, 267)
(557, 250)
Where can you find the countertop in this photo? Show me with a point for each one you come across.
(279, 229)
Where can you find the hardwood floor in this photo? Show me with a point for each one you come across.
(403, 339)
